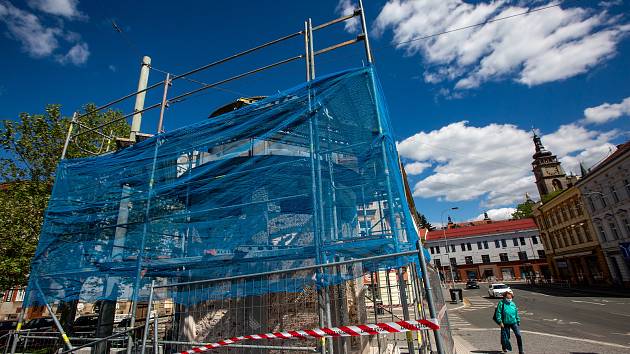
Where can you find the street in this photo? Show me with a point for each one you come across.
(552, 320)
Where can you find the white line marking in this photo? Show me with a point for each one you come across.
(589, 302)
(556, 336)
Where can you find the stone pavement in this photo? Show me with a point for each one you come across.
(486, 340)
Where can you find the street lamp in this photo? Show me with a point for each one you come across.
(448, 254)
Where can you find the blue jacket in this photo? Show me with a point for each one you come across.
(507, 313)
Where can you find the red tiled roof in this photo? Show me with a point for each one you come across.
(496, 227)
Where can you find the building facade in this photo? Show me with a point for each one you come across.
(573, 250)
(606, 193)
(495, 250)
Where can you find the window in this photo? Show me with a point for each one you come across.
(504, 257)
(522, 256)
(503, 243)
(626, 222)
(438, 263)
(627, 183)
(479, 245)
(522, 240)
(437, 249)
(564, 214)
(602, 233)
(587, 233)
(591, 203)
(515, 240)
(602, 200)
(485, 258)
(571, 213)
(541, 254)
(453, 261)
(452, 248)
(613, 230)
(485, 243)
(432, 250)
(469, 260)
(614, 194)
(9, 296)
(497, 244)
(463, 245)
(578, 207)
(469, 246)
(535, 240)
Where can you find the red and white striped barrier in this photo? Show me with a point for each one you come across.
(343, 331)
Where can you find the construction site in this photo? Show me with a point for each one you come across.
(278, 224)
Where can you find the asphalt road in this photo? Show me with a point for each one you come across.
(564, 318)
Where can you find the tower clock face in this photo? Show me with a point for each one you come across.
(554, 170)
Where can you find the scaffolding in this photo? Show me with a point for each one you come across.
(284, 214)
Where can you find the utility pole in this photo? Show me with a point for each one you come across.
(139, 106)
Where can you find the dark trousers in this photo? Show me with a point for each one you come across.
(505, 337)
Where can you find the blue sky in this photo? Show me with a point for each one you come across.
(462, 104)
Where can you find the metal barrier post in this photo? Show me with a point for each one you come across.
(155, 335)
(67, 142)
(430, 304)
(146, 322)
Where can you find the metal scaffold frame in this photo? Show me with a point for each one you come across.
(317, 157)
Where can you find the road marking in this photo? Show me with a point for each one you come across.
(591, 341)
(589, 302)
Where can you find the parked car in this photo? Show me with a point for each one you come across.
(472, 284)
(498, 289)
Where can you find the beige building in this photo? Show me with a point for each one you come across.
(606, 193)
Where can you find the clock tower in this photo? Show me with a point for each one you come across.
(548, 171)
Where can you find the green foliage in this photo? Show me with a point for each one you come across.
(30, 149)
(524, 210)
(424, 223)
(550, 196)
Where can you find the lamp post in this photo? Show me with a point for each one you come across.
(448, 254)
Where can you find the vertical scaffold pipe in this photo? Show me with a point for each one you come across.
(366, 39)
(147, 323)
(136, 121)
(164, 104)
(429, 295)
(136, 288)
(316, 226)
(67, 142)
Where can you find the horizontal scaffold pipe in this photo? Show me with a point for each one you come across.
(298, 269)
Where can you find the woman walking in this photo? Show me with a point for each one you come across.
(506, 316)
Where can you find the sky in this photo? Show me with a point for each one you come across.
(463, 99)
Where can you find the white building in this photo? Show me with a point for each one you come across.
(606, 192)
(494, 250)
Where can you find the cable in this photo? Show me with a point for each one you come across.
(201, 83)
(475, 25)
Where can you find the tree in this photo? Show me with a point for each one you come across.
(30, 150)
(524, 210)
(424, 223)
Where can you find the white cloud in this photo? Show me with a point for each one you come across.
(77, 55)
(346, 7)
(64, 8)
(416, 168)
(493, 162)
(497, 214)
(39, 40)
(539, 47)
(607, 112)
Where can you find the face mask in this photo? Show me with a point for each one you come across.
(508, 300)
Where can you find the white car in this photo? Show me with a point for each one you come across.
(498, 289)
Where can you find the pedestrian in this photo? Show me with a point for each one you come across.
(506, 316)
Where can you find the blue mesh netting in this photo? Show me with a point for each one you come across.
(307, 176)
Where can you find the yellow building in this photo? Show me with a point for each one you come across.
(571, 245)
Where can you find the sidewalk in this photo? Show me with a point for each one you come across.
(486, 340)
